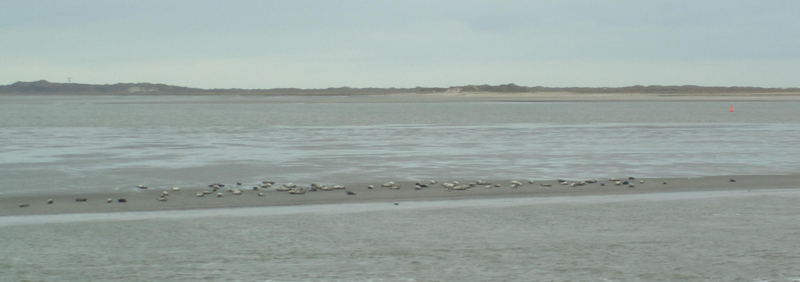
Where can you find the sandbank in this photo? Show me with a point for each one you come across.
(147, 199)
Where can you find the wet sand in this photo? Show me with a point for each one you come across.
(148, 199)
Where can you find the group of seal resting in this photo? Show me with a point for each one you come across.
(218, 189)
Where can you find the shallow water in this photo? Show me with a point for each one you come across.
(690, 236)
(94, 143)
(83, 143)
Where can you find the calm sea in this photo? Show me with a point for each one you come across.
(101, 143)
(95, 143)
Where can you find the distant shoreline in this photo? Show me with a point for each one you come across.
(463, 97)
(474, 92)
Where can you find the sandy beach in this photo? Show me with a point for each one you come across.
(550, 97)
(152, 199)
(599, 97)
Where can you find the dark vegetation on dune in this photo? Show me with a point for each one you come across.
(46, 87)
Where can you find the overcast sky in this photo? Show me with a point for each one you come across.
(314, 44)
